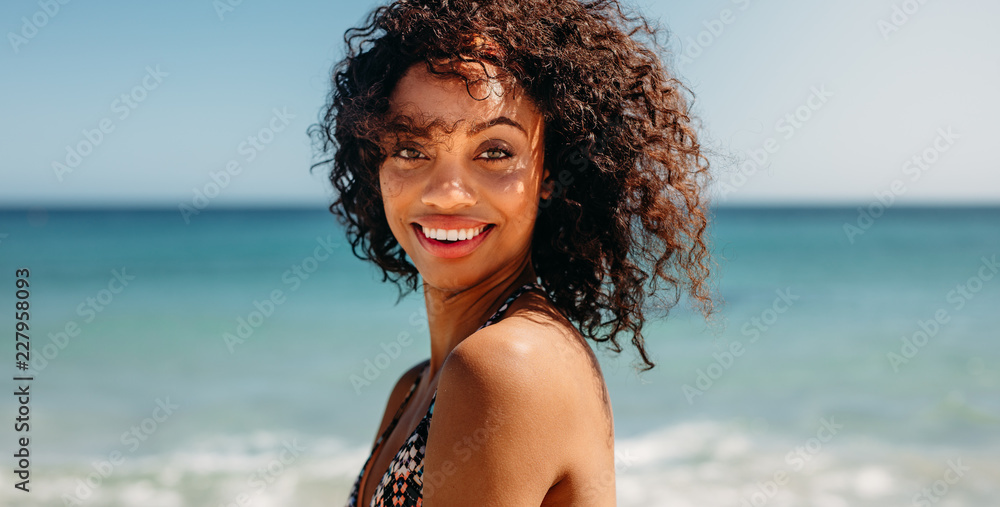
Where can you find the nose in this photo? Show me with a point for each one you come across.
(448, 185)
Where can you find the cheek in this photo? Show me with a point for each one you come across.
(521, 192)
(531, 183)
(392, 188)
(390, 192)
(520, 201)
(387, 185)
(527, 178)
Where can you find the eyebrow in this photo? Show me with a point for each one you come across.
(501, 120)
(406, 125)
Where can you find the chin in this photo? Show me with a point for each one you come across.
(439, 280)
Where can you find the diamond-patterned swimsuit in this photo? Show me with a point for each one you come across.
(402, 483)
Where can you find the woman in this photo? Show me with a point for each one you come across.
(534, 164)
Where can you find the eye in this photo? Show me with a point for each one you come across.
(408, 154)
(495, 155)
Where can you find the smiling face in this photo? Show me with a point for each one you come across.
(462, 179)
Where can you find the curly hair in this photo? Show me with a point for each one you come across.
(627, 208)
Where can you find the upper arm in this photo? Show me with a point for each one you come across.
(497, 429)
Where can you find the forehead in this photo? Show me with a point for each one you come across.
(423, 101)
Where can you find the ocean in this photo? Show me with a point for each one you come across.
(855, 361)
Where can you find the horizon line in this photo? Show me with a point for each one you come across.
(8, 208)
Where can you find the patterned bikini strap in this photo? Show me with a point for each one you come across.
(503, 308)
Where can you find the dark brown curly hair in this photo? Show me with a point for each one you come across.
(627, 173)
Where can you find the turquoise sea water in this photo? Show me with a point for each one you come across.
(804, 392)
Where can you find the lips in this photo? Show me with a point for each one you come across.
(448, 222)
(451, 235)
(451, 246)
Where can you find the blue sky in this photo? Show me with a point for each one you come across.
(803, 102)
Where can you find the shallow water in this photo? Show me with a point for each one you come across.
(814, 409)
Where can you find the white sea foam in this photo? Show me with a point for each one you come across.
(692, 464)
(708, 464)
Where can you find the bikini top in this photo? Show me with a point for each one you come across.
(402, 483)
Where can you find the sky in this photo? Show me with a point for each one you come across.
(138, 103)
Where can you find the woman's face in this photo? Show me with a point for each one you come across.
(466, 172)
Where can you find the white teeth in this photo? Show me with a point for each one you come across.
(453, 234)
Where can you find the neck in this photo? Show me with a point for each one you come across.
(454, 315)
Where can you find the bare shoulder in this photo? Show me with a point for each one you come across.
(530, 350)
(536, 355)
(530, 394)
